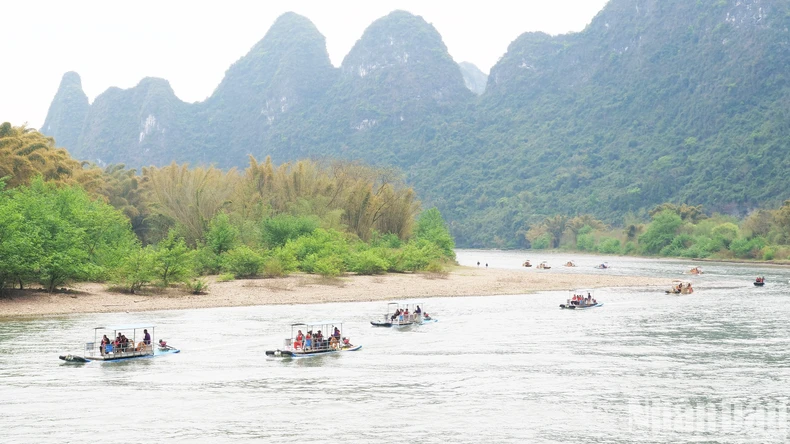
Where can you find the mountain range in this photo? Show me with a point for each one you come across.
(654, 101)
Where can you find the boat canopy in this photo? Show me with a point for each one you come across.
(125, 327)
(317, 323)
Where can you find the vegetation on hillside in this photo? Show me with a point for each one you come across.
(673, 231)
(61, 221)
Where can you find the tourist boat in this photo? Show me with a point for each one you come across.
(581, 304)
(696, 270)
(680, 287)
(304, 344)
(603, 266)
(526, 264)
(759, 282)
(136, 346)
(570, 264)
(390, 319)
(544, 266)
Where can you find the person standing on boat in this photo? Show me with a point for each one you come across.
(147, 337)
(104, 342)
(418, 311)
(336, 334)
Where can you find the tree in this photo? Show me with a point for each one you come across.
(661, 232)
(172, 260)
(137, 269)
(221, 235)
(431, 227)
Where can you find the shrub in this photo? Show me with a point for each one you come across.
(629, 248)
(543, 242)
(431, 227)
(221, 236)
(226, 277)
(328, 266)
(368, 262)
(585, 242)
(609, 246)
(660, 233)
(197, 286)
(206, 261)
(278, 230)
(769, 254)
(242, 261)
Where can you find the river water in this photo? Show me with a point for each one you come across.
(645, 367)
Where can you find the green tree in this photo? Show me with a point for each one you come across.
(172, 259)
(242, 261)
(221, 235)
(278, 230)
(137, 269)
(431, 227)
(661, 232)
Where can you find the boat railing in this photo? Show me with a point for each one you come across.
(295, 346)
(96, 350)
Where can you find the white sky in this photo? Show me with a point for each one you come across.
(192, 43)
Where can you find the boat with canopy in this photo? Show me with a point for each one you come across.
(308, 339)
(403, 314)
(124, 342)
(581, 300)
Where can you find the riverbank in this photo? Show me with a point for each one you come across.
(309, 289)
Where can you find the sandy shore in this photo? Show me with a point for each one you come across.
(308, 289)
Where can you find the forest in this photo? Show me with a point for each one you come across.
(673, 231)
(64, 221)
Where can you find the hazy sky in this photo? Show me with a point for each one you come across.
(192, 43)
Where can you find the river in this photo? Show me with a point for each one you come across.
(646, 367)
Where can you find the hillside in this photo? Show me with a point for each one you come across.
(656, 100)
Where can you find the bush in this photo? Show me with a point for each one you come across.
(585, 242)
(280, 229)
(629, 248)
(368, 262)
(609, 246)
(769, 254)
(747, 248)
(328, 266)
(242, 261)
(206, 261)
(660, 234)
(226, 277)
(543, 242)
(197, 286)
(416, 255)
(221, 235)
(431, 227)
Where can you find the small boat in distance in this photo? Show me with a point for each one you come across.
(139, 344)
(759, 281)
(680, 287)
(312, 341)
(570, 264)
(580, 300)
(603, 266)
(526, 264)
(696, 270)
(400, 314)
(543, 266)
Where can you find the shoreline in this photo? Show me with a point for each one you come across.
(308, 289)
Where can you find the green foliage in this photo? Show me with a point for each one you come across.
(278, 230)
(172, 260)
(136, 270)
(242, 261)
(419, 253)
(221, 235)
(197, 286)
(584, 242)
(225, 277)
(55, 235)
(368, 262)
(609, 246)
(542, 243)
(660, 233)
(431, 227)
(274, 267)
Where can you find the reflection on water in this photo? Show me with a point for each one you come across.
(645, 367)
